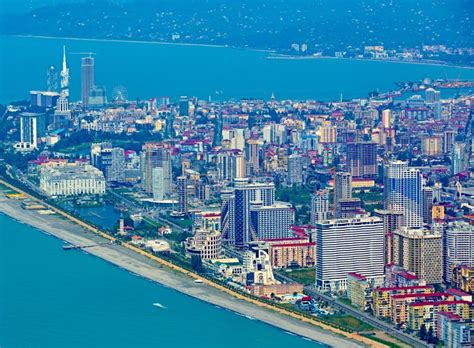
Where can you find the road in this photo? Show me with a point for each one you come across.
(365, 317)
(131, 204)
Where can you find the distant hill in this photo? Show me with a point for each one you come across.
(324, 25)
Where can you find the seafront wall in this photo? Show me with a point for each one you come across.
(324, 338)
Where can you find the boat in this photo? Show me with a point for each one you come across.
(198, 281)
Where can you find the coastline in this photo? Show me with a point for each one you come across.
(272, 54)
(427, 63)
(169, 43)
(138, 265)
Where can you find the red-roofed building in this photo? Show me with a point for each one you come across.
(292, 252)
(420, 313)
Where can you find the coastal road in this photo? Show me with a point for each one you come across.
(379, 324)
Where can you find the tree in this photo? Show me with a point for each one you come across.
(430, 336)
(423, 332)
(196, 263)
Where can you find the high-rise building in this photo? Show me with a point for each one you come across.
(432, 95)
(156, 155)
(157, 177)
(183, 106)
(432, 145)
(448, 140)
(110, 160)
(87, 79)
(392, 220)
(295, 169)
(460, 246)
(272, 221)
(252, 154)
(387, 119)
(420, 251)
(320, 208)
(32, 127)
(427, 205)
(97, 97)
(348, 245)
(362, 159)
(52, 79)
(459, 161)
(403, 192)
(182, 191)
(236, 225)
(342, 186)
(230, 165)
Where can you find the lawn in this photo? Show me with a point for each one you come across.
(349, 322)
(303, 276)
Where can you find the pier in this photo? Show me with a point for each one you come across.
(74, 247)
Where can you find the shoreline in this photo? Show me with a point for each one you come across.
(137, 265)
(169, 43)
(427, 63)
(272, 54)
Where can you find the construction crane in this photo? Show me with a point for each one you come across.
(90, 54)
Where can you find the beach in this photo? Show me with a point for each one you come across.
(142, 266)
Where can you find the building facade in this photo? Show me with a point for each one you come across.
(348, 245)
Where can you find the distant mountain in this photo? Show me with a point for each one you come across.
(324, 25)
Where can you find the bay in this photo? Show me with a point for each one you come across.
(151, 70)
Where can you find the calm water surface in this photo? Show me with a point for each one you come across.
(150, 70)
(53, 298)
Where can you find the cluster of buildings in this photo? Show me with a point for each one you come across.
(382, 204)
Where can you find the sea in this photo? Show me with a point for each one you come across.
(53, 298)
(143, 70)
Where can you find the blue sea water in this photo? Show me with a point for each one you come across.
(151, 70)
(53, 298)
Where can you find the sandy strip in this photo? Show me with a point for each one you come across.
(140, 265)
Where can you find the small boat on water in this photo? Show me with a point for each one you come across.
(198, 281)
(157, 304)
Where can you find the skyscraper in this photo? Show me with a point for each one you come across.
(348, 245)
(32, 126)
(420, 251)
(403, 192)
(458, 158)
(110, 160)
(342, 186)
(87, 79)
(230, 165)
(182, 191)
(156, 155)
(320, 209)
(392, 221)
(460, 246)
(362, 159)
(252, 154)
(236, 223)
(62, 112)
(52, 79)
(427, 204)
(295, 169)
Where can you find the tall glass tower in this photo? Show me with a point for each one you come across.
(87, 79)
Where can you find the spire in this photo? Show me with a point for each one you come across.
(64, 58)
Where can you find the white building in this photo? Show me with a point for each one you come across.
(460, 246)
(403, 191)
(272, 221)
(72, 179)
(320, 209)
(348, 245)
